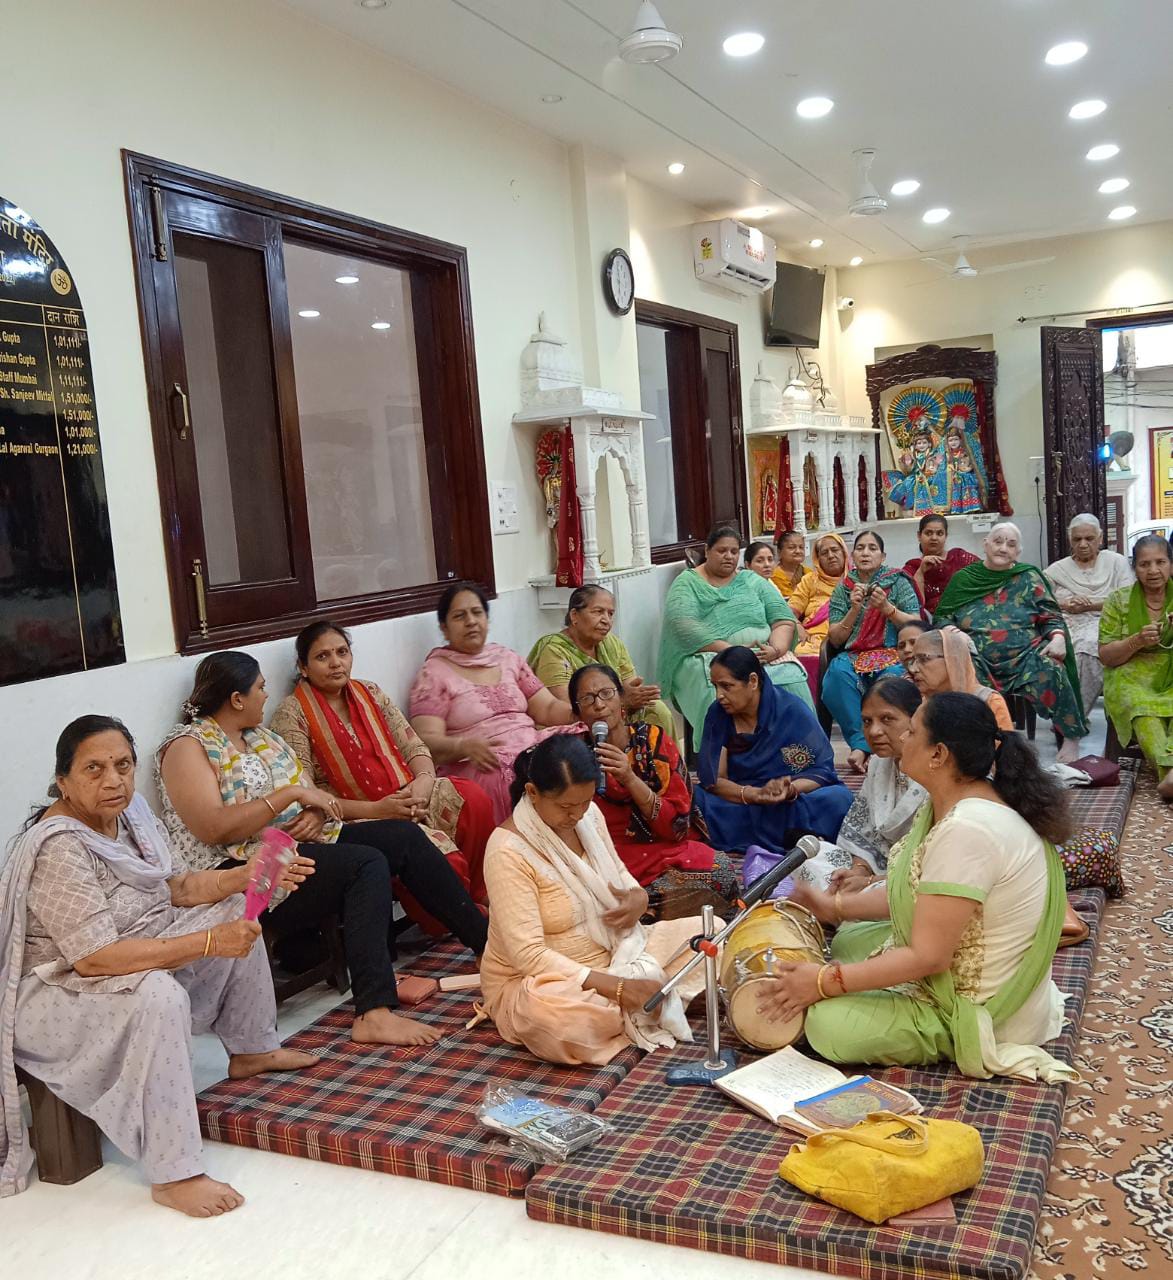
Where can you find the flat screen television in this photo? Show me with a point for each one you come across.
(796, 308)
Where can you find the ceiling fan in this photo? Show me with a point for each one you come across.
(962, 269)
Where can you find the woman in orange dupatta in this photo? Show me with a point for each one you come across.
(356, 744)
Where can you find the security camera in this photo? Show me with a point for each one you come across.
(845, 304)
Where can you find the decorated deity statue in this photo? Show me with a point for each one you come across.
(968, 488)
(769, 502)
(921, 486)
(548, 462)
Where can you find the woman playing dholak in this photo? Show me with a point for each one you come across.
(766, 768)
(712, 607)
(589, 636)
(1136, 648)
(951, 957)
(1008, 609)
(569, 967)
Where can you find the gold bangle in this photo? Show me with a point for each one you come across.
(819, 981)
(619, 994)
(269, 805)
(839, 905)
(208, 945)
(219, 886)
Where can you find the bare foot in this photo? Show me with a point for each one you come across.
(198, 1197)
(1165, 786)
(243, 1065)
(381, 1026)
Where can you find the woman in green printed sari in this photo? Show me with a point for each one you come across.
(950, 958)
(712, 607)
(588, 638)
(1136, 648)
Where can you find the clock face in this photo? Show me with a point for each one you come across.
(619, 282)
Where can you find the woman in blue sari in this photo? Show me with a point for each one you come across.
(767, 771)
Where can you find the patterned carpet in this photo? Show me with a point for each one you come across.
(1109, 1207)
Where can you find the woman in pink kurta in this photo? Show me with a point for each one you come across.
(478, 705)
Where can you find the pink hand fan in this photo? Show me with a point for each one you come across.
(277, 852)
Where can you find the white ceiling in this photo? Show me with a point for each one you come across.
(953, 92)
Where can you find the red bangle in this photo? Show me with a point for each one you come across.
(837, 976)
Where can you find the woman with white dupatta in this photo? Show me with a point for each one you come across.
(568, 966)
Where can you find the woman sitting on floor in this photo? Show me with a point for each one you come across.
(884, 807)
(933, 568)
(354, 743)
(790, 570)
(113, 953)
(868, 608)
(647, 803)
(223, 779)
(942, 662)
(478, 704)
(569, 967)
(766, 768)
(712, 607)
(1008, 609)
(588, 637)
(810, 602)
(951, 957)
(1136, 644)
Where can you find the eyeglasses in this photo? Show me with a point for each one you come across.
(602, 697)
(912, 662)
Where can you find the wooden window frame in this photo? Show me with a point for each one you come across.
(690, 457)
(449, 394)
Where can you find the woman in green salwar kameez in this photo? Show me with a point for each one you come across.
(712, 607)
(1136, 648)
(950, 958)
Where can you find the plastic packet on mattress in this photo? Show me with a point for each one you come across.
(538, 1129)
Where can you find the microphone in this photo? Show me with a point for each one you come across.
(599, 733)
(807, 847)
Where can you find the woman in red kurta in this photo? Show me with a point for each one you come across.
(933, 568)
(645, 797)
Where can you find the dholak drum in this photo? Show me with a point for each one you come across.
(774, 933)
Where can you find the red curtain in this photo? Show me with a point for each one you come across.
(998, 494)
(569, 571)
(785, 490)
(839, 493)
(863, 489)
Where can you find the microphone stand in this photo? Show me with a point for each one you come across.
(718, 1061)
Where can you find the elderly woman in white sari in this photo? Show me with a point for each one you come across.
(568, 966)
(111, 955)
(1083, 581)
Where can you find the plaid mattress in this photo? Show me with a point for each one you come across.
(405, 1111)
(690, 1167)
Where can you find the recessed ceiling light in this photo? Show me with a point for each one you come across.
(816, 243)
(381, 324)
(346, 279)
(856, 261)
(813, 108)
(743, 44)
(753, 214)
(1105, 151)
(550, 98)
(934, 215)
(1060, 55)
(905, 187)
(371, 4)
(675, 167)
(309, 315)
(1121, 212)
(1087, 109)
(1113, 185)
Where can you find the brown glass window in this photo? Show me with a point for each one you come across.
(314, 407)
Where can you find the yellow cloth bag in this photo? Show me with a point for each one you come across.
(887, 1164)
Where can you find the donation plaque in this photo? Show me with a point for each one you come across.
(58, 595)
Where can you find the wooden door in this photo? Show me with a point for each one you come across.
(1073, 430)
(723, 438)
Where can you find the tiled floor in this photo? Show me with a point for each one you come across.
(305, 1219)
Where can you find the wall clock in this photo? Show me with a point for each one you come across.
(619, 282)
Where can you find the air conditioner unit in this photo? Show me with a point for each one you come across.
(736, 257)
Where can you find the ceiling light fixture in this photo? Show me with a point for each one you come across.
(752, 215)
(551, 98)
(650, 40)
(856, 261)
(1088, 108)
(381, 324)
(867, 202)
(905, 187)
(371, 4)
(1113, 185)
(934, 215)
(816, 243)
(346, 279)
(1105, 151)
(814, 108)
(743, 44)
(309, 314)
(1060, 55)
(675, 168)
(1121, 212)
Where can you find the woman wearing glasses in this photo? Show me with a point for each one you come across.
(647, 801)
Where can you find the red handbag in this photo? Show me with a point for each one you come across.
(1101, 771)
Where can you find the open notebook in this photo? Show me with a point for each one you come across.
(806, 1096)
